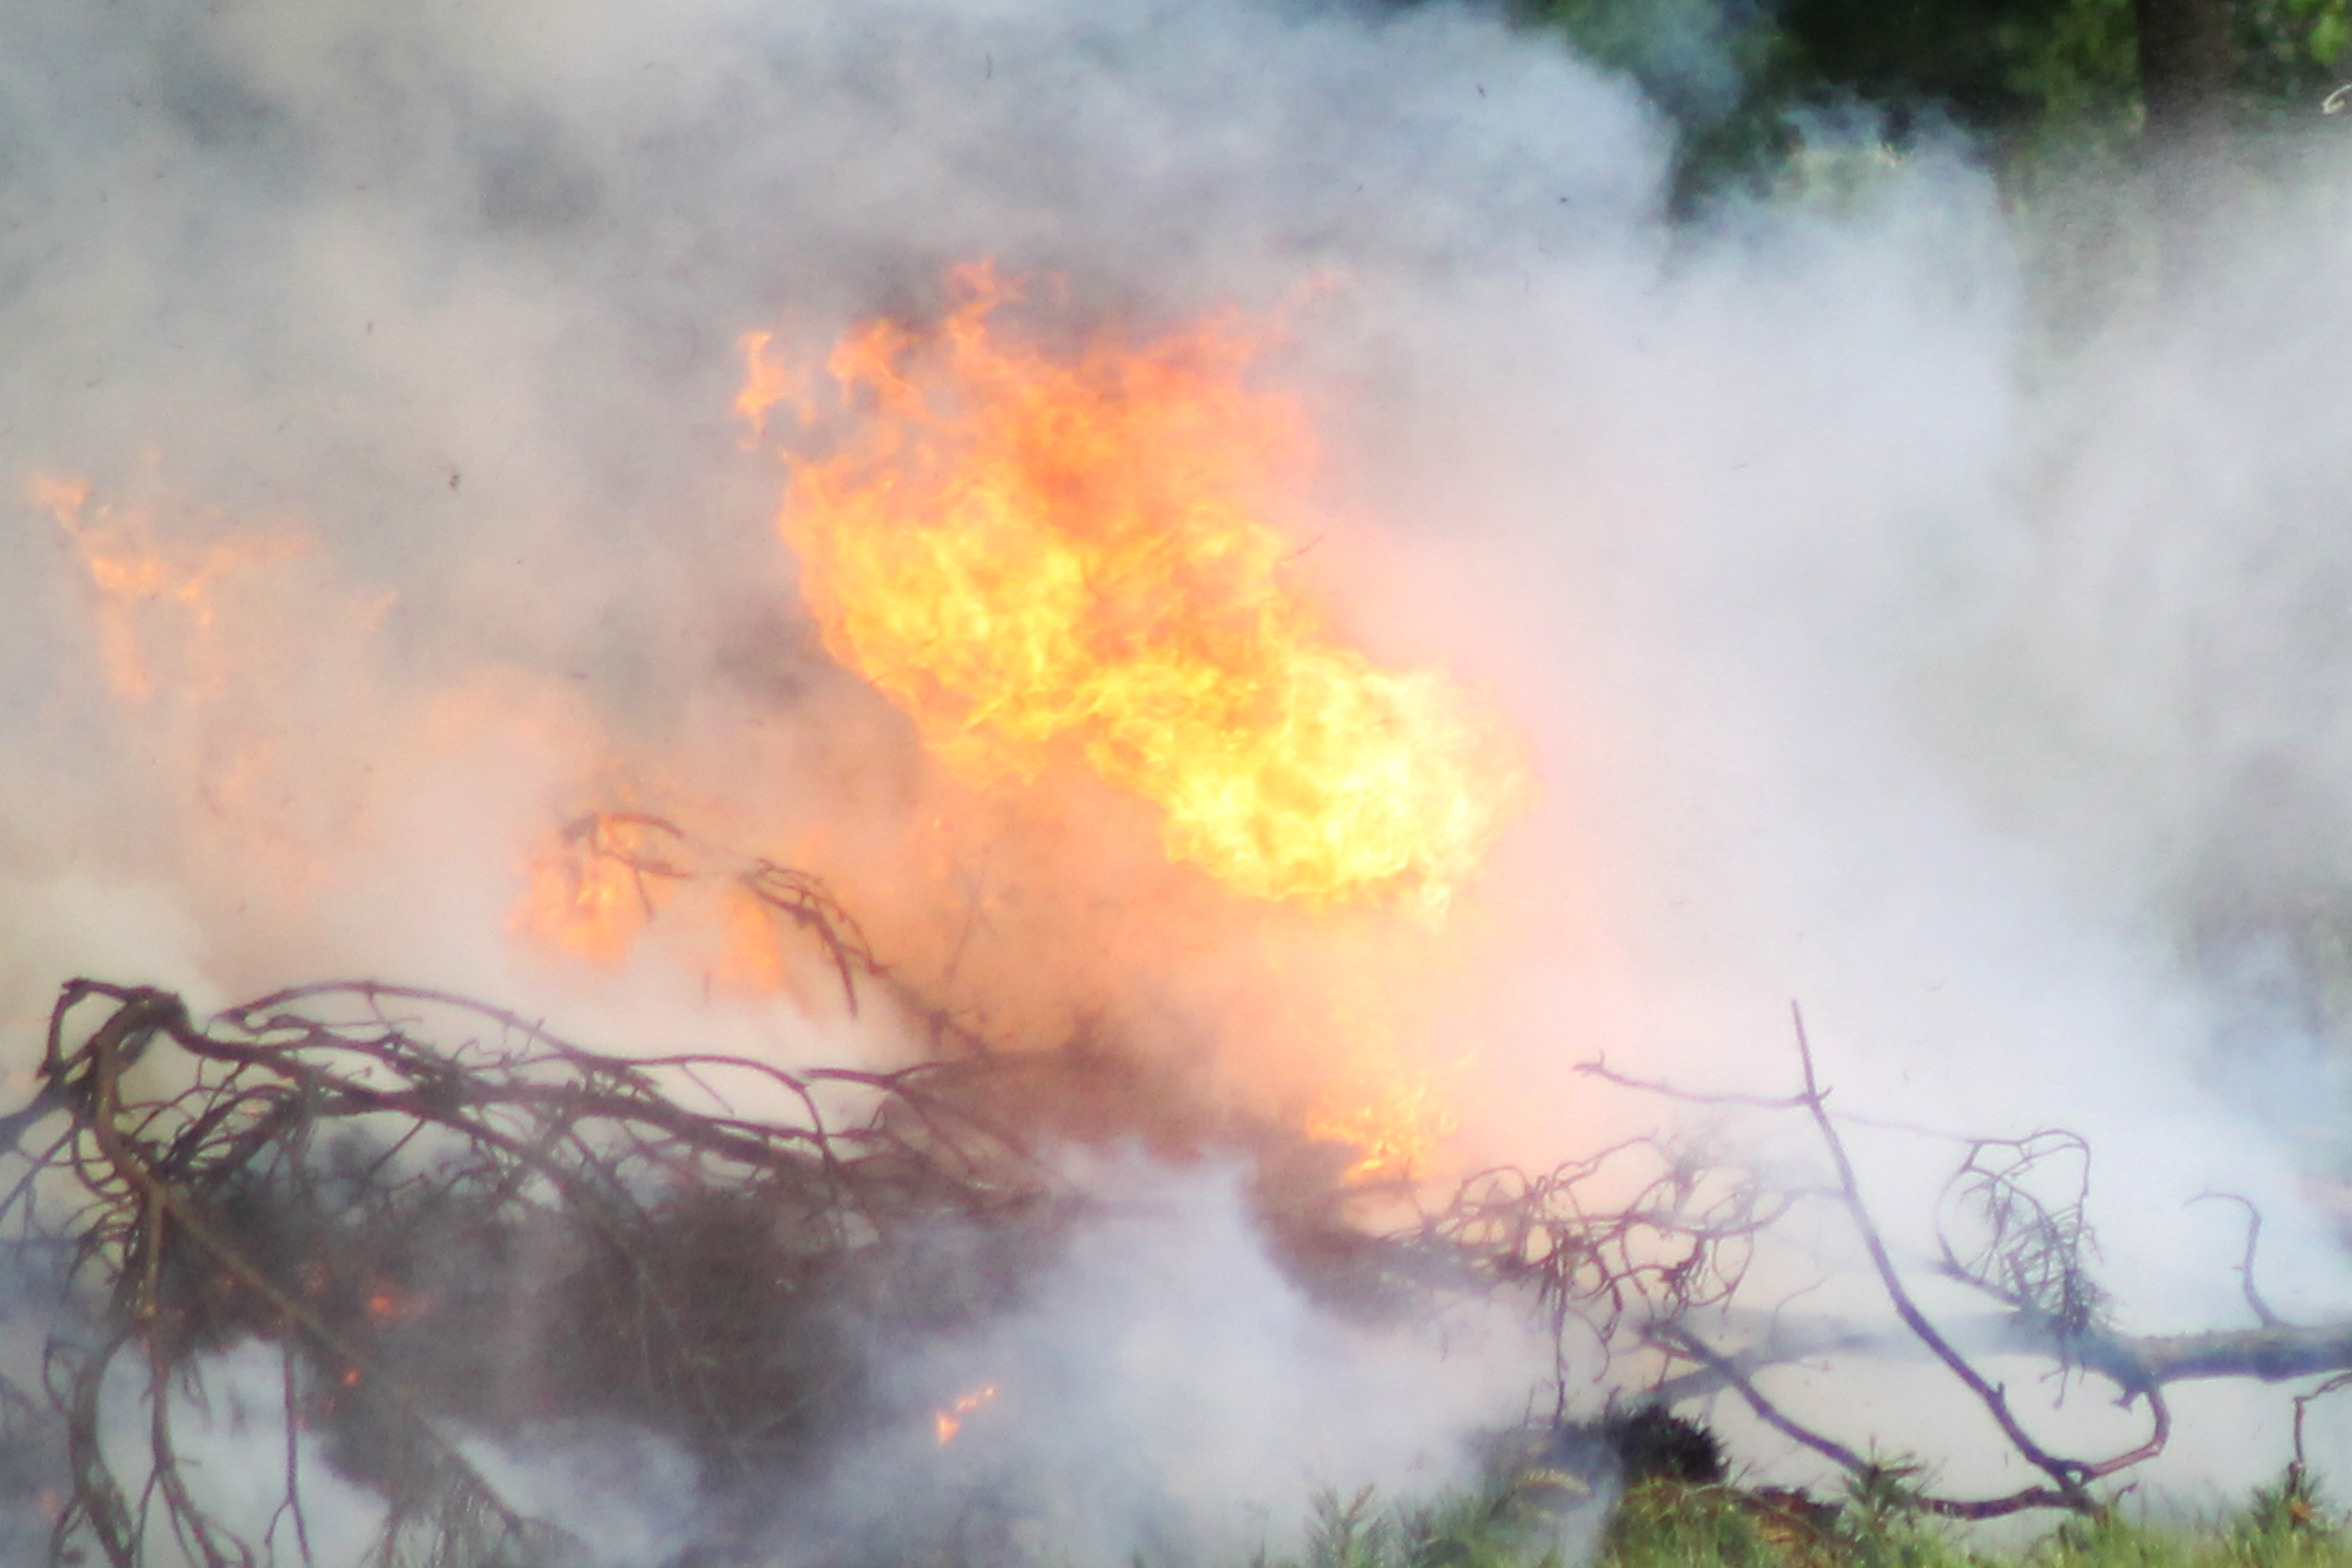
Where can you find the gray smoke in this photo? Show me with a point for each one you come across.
(1986, 696)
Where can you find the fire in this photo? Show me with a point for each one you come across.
(1077, 555)
(767, 380)
(947, 1423)
(1041, 555)
(1394, 1121)
(594, 890)
(149, 591)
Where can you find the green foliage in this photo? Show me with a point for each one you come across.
(2071, 62)
(1661, 1524)
(1508, 1525)
(2281, 1528)
(1880, 1525)
(2292, 51)
(2290, 1511)
(1742, 77)
(1988, 64)
(1350, 1534)
(1664, 1523)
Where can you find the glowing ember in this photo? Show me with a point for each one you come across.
(1040, 556)
(387, 1304)
(947, 1423)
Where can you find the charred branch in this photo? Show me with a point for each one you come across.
(2277, 1353)
(441, 1217)
(2028, 1256)
(437, 1211)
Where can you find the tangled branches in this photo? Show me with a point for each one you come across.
(441, 1220)
(509, 1228)
(1679, 1244)
(2001, 1237)
(2027, 1254)
(642, 859)
(436, 1221)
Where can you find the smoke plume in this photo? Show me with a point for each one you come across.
(1984, 695)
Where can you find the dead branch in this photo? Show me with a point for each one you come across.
(1599, 1068)
(2274, 1355)
(2254, 1302)
(321, 1169)
(2298, 1470)
(2068, 1476)
(2028, 1256)
(1677, 1245)
(444, 1218)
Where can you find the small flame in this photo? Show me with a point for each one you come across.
(1039, 557)
(1393, 1123)
(594, 890)
(948, 1422)
(768, 380)
(149, 591)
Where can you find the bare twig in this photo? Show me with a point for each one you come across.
(1599, 1068)
(2254, 1302)
(218, 1207)
(2298, 1470)
(2068, 1476)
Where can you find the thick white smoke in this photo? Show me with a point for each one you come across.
(1986, 697)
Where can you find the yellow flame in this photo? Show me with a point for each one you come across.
(1394, 1121)
(1042, 555)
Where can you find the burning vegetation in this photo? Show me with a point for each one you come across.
(1070, 567)
(1066, 559)
(446, 1224)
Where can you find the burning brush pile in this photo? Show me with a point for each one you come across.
(391, 1236)
(441, 1224)
(399, 1228)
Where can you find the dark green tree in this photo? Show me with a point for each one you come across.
(2176, 75)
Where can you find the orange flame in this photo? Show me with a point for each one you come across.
(1041, 555)
(752, 957)
(1392, 1122)
(947, 1423)
(142, 582)
(767, 380)
(597, 886)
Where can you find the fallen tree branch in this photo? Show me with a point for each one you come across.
(317, 1170)
(381, 1182)
(2031, 1258)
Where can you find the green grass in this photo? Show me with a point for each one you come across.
(1667, 1524)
